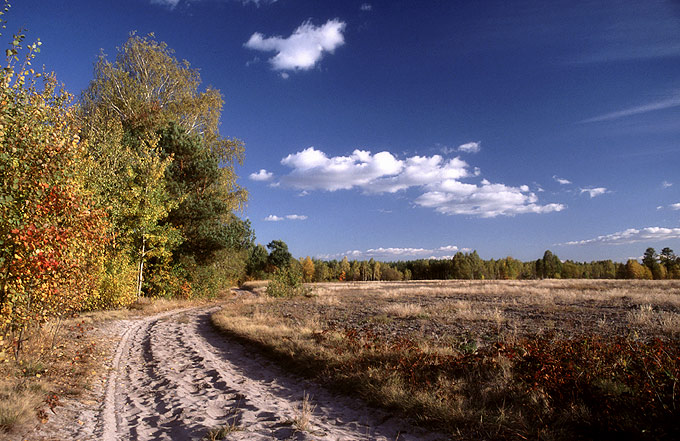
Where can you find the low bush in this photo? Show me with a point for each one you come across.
(286, 282)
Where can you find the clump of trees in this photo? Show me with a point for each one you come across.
(130, 192)
(163, 173)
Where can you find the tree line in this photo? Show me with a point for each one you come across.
(466, 266)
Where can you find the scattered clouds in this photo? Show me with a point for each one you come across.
(366, 7)
(561, 180)
(262, 175)
(438, 179)
(303, 49)
(596, 191)
(275, 218)
(470, 147)
(666, 184)
(395, 253)
(632, 235)
(671, 101)
(674, 206)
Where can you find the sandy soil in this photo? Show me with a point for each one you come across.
(172, 377)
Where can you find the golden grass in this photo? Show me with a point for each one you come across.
(405, 310)
(18, 403)
(455, 319)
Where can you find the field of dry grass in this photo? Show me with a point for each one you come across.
(545, 359)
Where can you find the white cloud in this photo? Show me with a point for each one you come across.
(366, 7)
(485, 200)
(674, 206)
(397, 253)
(439, 180)
(296, 217)
(666, 184)
(632, 235)
(303, 48)
(169, 3)
(666, 103)
(470, 147)
(562, 180)
(275, 218)
(597, 191)
(262, 175)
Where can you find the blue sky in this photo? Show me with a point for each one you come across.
(410, 129)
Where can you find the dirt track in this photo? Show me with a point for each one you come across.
(173, 377)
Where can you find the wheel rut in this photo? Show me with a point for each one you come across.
(173, 377)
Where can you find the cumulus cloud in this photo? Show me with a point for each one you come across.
(303, 49)
(666, 184)
(275, 218)
(597, 191)
(438, 179)
(632, 235)
(674, 206)
(561, 180)
(262, 175)
(470, 147)
(366, 7)
(485, 200)
(397, 253)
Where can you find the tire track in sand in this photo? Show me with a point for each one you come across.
(174, 378)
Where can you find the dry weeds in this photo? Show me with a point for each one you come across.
(365, 338)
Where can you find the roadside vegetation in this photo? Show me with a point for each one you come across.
(125, 194)
(486, 359)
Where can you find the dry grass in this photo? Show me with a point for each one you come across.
(304, 413)
(18, 403)
(405, 310)
(430, 348)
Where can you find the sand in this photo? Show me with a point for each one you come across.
(171, 376)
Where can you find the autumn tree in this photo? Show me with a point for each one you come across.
(51, 234)
(307, 269)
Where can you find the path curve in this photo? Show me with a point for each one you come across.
(173, 377)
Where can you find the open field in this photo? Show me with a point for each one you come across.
(487, 359)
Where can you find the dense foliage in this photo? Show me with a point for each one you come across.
(51, 233)
(163, 172)
(131, 192)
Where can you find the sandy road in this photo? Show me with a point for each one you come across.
(173, 377)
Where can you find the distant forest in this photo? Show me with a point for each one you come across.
(467, 266)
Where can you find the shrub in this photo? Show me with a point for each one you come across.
(286, 282)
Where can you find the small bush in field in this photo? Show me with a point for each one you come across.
(286, 282)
